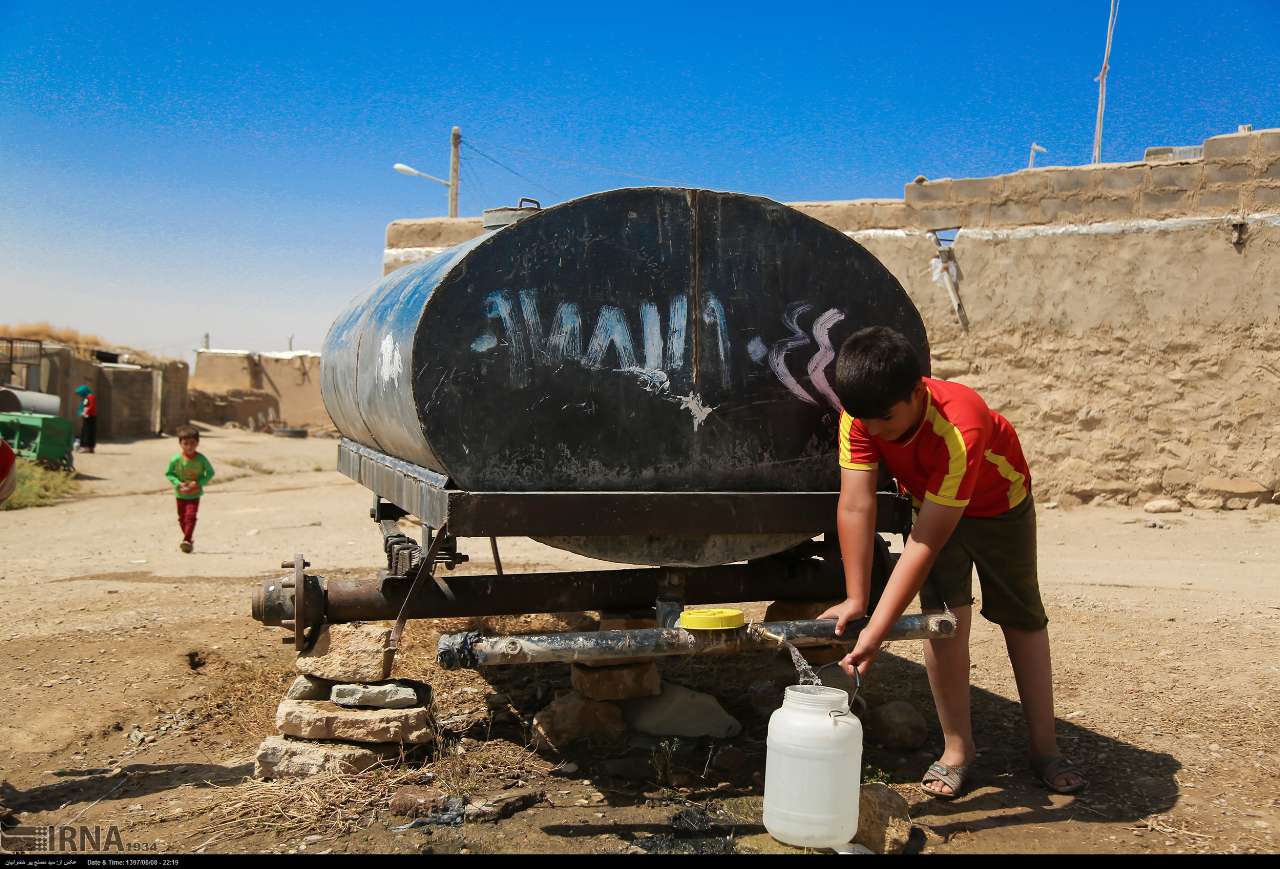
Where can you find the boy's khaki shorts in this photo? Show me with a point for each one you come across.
(1003, 548)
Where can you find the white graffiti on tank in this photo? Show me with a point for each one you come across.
(611, 339)
(659, 353)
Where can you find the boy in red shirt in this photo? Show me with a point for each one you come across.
(964, 469)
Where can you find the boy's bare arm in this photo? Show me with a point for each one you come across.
(855, 525)
(930, 533)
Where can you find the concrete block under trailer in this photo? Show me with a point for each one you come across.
(692, 433)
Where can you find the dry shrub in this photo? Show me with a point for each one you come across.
(49, 332)
(328, 804)
(246, 696)
(40, 487)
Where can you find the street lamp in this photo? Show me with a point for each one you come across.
(455, 142)
(409, 170)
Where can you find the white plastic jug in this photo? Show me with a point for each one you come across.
(812, 769)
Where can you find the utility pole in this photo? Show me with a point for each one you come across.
(1036, 149)
(455, 145)
(1102, 83)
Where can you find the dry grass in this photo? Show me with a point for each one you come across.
(82, 342)
(249, 465)
(327, 804)
(39, 486)
(48, 332)
(248, 699)
(336, 803)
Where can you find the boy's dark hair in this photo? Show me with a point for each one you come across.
(188, 431)
(875, 369)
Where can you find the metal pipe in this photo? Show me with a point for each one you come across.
(470, 650)
(349, 600)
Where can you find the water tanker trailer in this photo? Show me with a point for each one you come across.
(641, 376)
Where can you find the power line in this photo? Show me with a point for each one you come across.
(501, 165)
(590, 167)
(471, 178)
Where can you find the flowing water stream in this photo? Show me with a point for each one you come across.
(803, 670)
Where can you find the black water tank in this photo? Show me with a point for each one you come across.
(638, 339)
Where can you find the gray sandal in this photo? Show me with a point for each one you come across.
(954, 777)
(1049, 767)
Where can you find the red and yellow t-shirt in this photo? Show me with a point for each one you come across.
(964, 454)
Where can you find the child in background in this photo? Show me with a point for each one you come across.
(88, 419)
(188, 472)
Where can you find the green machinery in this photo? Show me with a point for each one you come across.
(39, 437)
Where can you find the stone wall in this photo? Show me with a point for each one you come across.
(1124, 317)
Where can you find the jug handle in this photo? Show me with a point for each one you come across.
(837, 714)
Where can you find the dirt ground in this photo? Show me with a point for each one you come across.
(138, 687)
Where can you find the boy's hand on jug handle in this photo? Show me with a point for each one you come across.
(861, 657)
(844, 612)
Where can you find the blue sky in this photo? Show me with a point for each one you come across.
(167, 171)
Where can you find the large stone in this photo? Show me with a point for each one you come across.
(315, 719)
(280, 757)
(309, 688)
(1233, 487)
(678, 711)
(1175, 478)
(896, 724)
(884, 824)
(617, 681)
(1162, 505)
(389, 695)
(349, 653)
(413, 802)
(571, 717)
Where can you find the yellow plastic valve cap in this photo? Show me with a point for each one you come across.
(721, 619)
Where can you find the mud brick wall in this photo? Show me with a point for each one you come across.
(251, 409)
(175, 409)
(126, 402)
(1125, 317)
(292, 379)
(224, 369)
(1239, 172)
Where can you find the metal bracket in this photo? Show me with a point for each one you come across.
(308, 605)
(670, 601)
(427, 566)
